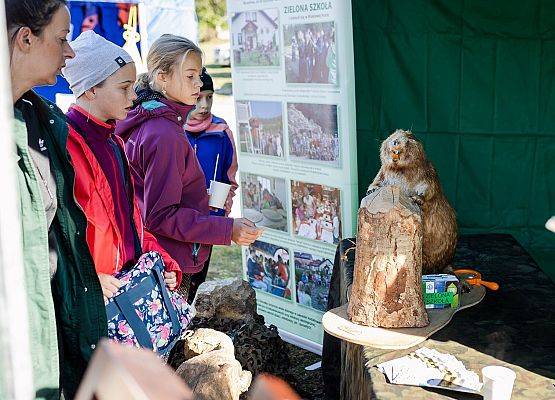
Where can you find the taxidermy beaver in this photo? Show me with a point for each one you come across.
(404, 164)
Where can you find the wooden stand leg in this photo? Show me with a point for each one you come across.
(355, 379)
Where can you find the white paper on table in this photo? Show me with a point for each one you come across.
(430, 368)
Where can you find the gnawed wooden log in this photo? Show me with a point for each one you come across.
(387, 282)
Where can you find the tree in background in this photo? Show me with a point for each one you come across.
(211, 17)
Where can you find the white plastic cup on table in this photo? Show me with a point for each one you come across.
(550, 224)
(218, 192)
(497, 382)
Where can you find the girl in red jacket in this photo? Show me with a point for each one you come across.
(101, 77)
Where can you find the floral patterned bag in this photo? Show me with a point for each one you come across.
(144, 313)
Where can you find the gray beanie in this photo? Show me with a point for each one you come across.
(95, 60)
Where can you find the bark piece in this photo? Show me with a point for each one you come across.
(387, 284)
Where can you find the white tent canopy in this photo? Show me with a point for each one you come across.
(170, 16)
(163, 16)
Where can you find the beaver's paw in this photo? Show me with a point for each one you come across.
(364, 202)
(371, 189)
(420, 189)
(419, 200)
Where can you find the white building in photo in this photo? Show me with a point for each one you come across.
(254, 29)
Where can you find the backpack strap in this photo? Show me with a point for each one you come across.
(176, 324)
(128, 310)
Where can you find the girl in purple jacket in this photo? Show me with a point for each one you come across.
(169, 181)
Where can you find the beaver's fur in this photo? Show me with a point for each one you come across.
(404, 164)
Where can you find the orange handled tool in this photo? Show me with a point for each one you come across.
(475, 278)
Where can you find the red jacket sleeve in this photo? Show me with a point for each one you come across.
(151, 244)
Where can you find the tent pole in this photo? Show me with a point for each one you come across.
(143, 24)
(15, 355)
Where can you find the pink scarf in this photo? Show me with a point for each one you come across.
(196, 126)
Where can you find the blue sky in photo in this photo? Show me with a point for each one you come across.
(266, 109)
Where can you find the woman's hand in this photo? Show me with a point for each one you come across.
(171, 279)
(109, 284)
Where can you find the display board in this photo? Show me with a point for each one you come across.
(293, 85)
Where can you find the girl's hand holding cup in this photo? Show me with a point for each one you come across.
(227, 205)
(218, 193)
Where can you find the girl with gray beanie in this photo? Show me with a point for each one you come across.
(101, 76)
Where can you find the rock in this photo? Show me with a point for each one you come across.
(215, 375)
(231, 299)
(230, 306)
(259, 348)
(204, 340)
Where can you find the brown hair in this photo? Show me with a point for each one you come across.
(35, 14)
(163, 56)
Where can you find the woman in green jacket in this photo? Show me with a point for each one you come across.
(66, 309)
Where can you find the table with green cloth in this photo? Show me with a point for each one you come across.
(514, 327)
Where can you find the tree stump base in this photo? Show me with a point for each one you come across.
(387, 283)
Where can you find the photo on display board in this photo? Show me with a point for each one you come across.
(254, 38)
(260, 125)
(268, 269)
(316, 211)
(312, 277)
(310, 53)
(264, 200)
(313, 133)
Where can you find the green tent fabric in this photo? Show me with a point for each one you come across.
(475, 82)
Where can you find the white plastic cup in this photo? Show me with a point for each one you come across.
(550, 224)
(497, 382)
(218, 194)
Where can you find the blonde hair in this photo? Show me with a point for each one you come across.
(163, 56)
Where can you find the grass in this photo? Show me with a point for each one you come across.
(258, 59)
(221, 75)
(225, 262)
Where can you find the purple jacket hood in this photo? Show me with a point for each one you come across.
(152, 109)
